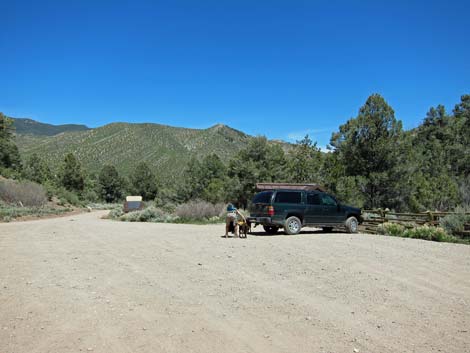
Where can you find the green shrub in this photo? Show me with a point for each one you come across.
(116, 213)
(168, 207)
(90, 196)
(10, 212)
(67, 197)
(455, 223)
(391, 229)
(429, 233)
(416, 232)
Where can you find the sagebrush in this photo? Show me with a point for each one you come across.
(455, 223)
(424, 232)
(11, 212)
(150, 214)
(200, 210)
(22, 193)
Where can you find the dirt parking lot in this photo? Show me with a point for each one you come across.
(83, 284)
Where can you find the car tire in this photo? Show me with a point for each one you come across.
(293, 225)
(352, 225)
(327, 229)
(271, 229)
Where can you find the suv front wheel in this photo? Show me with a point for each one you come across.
(351, 224)
(293, 225)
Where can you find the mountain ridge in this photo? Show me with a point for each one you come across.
(166, 149)
(34, 127)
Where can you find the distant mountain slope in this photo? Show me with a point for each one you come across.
(32, 127)
(166, 149)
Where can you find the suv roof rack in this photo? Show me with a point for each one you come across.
(288, 186)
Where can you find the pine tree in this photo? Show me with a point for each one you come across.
(71, 175)
(143, 182)
(305, 162)
(37, 170)
(110, 184)
(258, 162)
(9, 155)
(369, 146)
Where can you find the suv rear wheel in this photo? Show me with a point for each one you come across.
(293, 225)
(351, 224)
(271, 229)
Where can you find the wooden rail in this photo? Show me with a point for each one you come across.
(373, 218)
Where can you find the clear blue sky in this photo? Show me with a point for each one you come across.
(276, 68)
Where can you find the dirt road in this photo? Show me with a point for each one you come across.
(81, 284)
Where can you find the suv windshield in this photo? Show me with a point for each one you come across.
(263, 197)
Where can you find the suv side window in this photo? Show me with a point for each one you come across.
(327, 200)
(313, 199)
(288, 197)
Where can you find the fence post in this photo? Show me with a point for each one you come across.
(383, 214)
(430, 218)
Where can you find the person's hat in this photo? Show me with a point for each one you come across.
(230, 207)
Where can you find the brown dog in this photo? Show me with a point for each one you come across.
(243, 228)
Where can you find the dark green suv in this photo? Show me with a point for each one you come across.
(294, 209)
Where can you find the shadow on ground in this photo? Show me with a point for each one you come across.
(261, 233)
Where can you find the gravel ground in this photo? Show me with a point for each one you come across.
(81, 284)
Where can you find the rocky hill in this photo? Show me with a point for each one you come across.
(166, 149)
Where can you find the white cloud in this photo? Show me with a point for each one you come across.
(322, 143)
(324, 149)
(299, 135)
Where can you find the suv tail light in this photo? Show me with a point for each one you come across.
(270, 211)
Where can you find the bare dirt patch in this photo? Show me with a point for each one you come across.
(81, 283)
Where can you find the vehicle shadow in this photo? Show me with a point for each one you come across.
(262, 233)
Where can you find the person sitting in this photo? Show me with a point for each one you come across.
(232, 218)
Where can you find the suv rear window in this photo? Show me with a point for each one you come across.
(288, 197)
(263, 197)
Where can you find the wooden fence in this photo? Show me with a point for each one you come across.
(372, 219)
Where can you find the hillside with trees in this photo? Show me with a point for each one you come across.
(166, 149)
(373, 163)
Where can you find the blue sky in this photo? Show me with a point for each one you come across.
(275, 68)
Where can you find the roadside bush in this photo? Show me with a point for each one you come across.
(10, 212)
(455, 223)
(67, 197)
(90, 196)
(391, 229)
(168, 207)
(115, 213)
(150, 214)
(199, 210)
(416, 232)
(104, 206)
(25, 193)
(429, 233)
